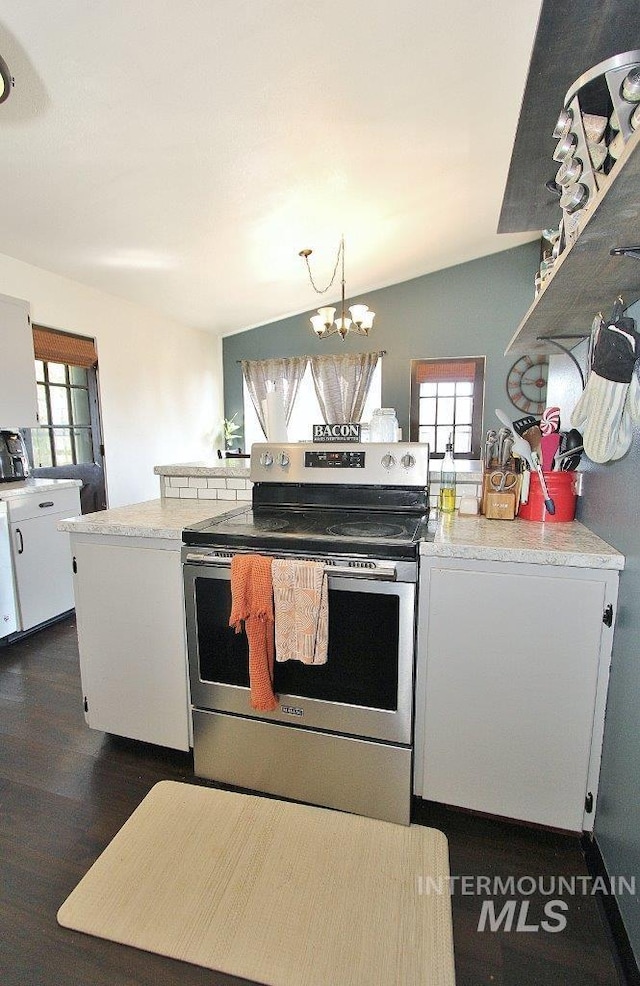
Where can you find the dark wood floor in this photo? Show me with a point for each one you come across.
(65, 791)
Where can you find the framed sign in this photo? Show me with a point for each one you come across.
(336, 433)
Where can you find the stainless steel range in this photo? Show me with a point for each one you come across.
(341, 735)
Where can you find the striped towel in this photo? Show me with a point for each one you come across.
(252, 601)
(301, 608)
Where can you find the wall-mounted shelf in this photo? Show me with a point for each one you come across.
(586, 278)
(571, 38)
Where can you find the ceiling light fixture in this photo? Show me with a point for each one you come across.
(6, 80)
(323, 324)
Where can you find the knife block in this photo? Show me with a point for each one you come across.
(500, 506)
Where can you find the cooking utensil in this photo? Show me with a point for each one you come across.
(520, 446)
(533, 435)
(548, 502)
(549, 446)
(523, 424)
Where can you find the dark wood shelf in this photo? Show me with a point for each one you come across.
(586, 278)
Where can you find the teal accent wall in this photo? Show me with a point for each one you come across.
(472, 309)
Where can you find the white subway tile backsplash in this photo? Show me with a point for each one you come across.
(214, 483)
(197, 482)
(176, 480)
(208, 494)
(172, 491)
(188, 493)
(244, 495)
(226, 494)
(236, 484)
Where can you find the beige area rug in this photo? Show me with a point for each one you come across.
(284, 894)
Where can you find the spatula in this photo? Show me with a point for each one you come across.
(549, 446)
(520, 446)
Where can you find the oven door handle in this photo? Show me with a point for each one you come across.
(379, 574)
(343, 571)
(200, 559)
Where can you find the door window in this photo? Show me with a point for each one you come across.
(65, 434)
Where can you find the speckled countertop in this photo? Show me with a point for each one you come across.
(217, 468)
(22, 486)
(517, 540)
(150, 519)
(455, 537)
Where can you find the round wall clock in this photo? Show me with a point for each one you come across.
(527, 383)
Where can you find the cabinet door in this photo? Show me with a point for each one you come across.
(18, 401)
(42, 561)
(132, 644)
(511, 678)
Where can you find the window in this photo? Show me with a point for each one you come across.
(64, 436)
(306, 410)
(446, 399)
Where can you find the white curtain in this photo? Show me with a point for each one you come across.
(283, 374)
(342, 384)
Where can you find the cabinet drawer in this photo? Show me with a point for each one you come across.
(37, 504)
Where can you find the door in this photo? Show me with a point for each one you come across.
(364, 689)
(67, 444)
(42, 561)
(510, 679)
(133, 661)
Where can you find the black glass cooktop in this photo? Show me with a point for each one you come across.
(377, 533)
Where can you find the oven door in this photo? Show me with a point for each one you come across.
(365, 688)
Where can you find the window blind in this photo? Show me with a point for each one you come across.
(63, 347)
(444, 371)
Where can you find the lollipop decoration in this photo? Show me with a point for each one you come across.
(550, 420)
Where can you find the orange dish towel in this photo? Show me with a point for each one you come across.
(252, 601)
(301, 607)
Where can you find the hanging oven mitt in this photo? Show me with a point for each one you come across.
(610, 403)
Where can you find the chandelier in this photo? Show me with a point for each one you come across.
(323, 323)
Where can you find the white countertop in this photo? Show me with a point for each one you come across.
(517, 540)
(151, 519)
(22, 486)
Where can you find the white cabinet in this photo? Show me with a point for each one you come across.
(41, 555)
(131, 637)
(513, 665)
(18, 400)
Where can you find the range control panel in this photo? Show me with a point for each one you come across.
(334, 460)
(369, 463)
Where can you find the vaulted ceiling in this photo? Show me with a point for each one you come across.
(180, 154)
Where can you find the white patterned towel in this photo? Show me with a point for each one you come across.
(301, 610)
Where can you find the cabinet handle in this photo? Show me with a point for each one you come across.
(21, 548)
(47, 503)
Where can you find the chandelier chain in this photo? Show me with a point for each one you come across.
(333, 276)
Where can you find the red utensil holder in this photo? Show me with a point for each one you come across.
(562, 490)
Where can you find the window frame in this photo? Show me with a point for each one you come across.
(477, 405)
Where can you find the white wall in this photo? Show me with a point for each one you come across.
(160, 382)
